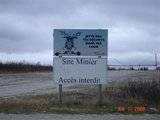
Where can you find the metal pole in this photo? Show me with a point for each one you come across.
(60, 93)
(100, 94)
(156, 59)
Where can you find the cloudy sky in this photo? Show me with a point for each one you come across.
(26, 27)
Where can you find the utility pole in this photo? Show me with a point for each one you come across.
(156, 62)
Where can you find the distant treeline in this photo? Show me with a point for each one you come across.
(130, 68)
(24, 67)
(28, 67)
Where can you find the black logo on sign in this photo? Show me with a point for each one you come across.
(69, 48)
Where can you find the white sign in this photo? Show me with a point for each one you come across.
(80, 70)
(80, 42)
(80, 56)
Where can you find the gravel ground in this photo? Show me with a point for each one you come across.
(27, 83)
(23, 83)
(78, 117)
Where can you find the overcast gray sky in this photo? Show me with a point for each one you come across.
(26, 27)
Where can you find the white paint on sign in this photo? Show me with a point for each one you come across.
(80, 70)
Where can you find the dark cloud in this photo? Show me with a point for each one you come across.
(26, 25)
(39, 7)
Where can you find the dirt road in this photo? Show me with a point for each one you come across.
(78, 117)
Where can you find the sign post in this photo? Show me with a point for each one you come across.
(60, 93)
(100, 94)
(83, 57)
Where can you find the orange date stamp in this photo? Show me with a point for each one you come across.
(137, 109)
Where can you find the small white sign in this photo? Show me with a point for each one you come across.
(80, 70)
